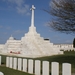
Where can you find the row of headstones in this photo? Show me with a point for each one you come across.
(27, 65)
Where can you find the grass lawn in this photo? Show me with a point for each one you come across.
(59, 58)
(8, 71)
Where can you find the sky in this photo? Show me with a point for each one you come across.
(15, 20)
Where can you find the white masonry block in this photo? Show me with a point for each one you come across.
(25, 65)
(66, 69)
(7, 61)
(45, 68)
(14, 63)
(11, 62)
(20, 64)
(37, 67)
(0, 60)
(30, 66)
(54, 68)
(1, 73)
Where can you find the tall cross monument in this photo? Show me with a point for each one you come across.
(32, 17)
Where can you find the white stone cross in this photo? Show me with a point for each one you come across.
(32, 18)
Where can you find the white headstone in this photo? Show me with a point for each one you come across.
(25, 65)
(1, 73)
(7, 61)
(0, 60)
(54, 68)
(15, 63)
(66, 69)
(30, 66)
(45, 68)
(20, 64)
(11, 62)
(37, 67)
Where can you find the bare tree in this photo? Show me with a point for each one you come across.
(74, 43)
(64, 15)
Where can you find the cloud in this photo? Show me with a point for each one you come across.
(46, 24)
(1, 26)
(5, 27)
(17, 2)
(18, 32)
(28, 14)
(8, 28)
(68, 41)
(56, 36)
(5, 33)
(20, 6)
(23, 9)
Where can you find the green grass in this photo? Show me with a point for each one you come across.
(59, 58)
(8, 71)
(71, 52)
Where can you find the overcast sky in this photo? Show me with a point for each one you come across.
(15, 19)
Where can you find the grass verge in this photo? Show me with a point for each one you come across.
(8, 71)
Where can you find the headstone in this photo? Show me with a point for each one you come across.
(0, 60)
(1, 73)
(20, 64)
(45, 68)
(15, 63)
(30, 66)
(25, 65)
(54, 68)
(66, 69)
(37, 67)
(11, 62)
(7, 61)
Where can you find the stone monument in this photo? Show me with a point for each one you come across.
(32, 44)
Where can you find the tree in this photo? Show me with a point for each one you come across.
(64, 15)
(74, 43)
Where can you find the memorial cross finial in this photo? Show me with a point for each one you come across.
(32, 18)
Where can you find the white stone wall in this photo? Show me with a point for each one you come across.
(64, 46)
(29, 47)
(1, 47)
(13, 46)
